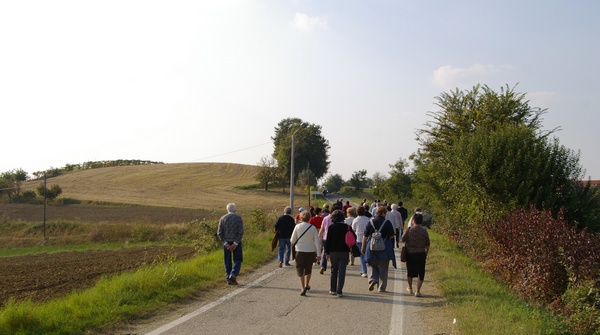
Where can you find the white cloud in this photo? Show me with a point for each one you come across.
(306, 23)
(449, 77)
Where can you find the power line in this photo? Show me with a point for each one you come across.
(232, 152)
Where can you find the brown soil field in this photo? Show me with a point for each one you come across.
(149, 194)
(42, 277)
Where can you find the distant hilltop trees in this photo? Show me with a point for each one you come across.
(52, 172)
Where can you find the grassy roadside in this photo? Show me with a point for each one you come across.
(127, 296)
(479, 303)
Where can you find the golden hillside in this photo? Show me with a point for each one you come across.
(189, 185)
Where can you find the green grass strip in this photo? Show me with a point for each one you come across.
(126, 296)
(479, 303)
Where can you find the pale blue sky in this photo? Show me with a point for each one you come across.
(208, 81)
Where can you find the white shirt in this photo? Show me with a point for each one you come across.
(310, 241)
(395, 218)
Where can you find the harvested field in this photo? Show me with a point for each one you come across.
(41, 277)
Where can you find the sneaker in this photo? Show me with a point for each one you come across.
(381, 291)
(288, 264)
(364, 275)
(372, 285)
(340, 295)
(332, 293)
(418, 294)
(280, 264)
(228, 281)
(322, 270)
(410, 291)
(233, 281)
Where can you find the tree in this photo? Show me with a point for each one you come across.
(398, 185)
(310, 147)
(333, 183)
(358, 179)
(51, 193)
(10, 182)
(268, 171)
(484, 155)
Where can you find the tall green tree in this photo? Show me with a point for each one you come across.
(484, 155)
(398, 185)
(311, 149)
(333, 183)
(358, 180)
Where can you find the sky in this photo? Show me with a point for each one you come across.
(208, 81)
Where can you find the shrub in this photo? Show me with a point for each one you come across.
(545, 260)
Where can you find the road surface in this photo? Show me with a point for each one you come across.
(268, 301)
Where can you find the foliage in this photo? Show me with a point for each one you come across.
(540, 256)
(358, 180)
(268, 172)
(398, 185)
(53, 172)
(333, 182)
(307, 178)
(10, 183)
(310, 147)
(479, 303)
(49, 193)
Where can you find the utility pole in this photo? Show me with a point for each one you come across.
(45, 206)
(292, 172)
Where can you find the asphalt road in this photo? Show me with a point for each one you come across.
(268, 301)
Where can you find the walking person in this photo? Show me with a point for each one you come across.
(350, 215)
(359, 224)
(284, 227)
(396, 219)
(337, 252)
(230, 232)
(305, 238)
(417, 244)
(379, 261)
(327, 221)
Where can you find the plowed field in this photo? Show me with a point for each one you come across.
(43, 276)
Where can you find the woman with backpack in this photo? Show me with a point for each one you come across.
(378, 258)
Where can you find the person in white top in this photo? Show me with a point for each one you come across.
(305, 238)
(358, 225)
(350, 215)
(396, 219)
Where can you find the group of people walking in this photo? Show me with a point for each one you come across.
(319, 236)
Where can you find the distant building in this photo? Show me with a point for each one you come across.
(594, 183)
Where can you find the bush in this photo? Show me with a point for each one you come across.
(544, 260)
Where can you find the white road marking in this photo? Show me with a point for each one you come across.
(397, 319)
(209, 306)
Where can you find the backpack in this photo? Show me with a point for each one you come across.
(350, 239)
(377, 243)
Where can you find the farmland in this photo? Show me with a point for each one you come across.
(117, 219)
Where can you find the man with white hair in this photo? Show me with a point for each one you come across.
(230, 232)
(395, 218)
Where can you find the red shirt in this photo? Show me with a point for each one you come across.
(316, 221)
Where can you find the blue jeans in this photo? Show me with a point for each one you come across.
(363, 261)
(283, 244)
(339, 262)
(233, 260)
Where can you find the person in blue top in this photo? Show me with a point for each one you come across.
(379, 261)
